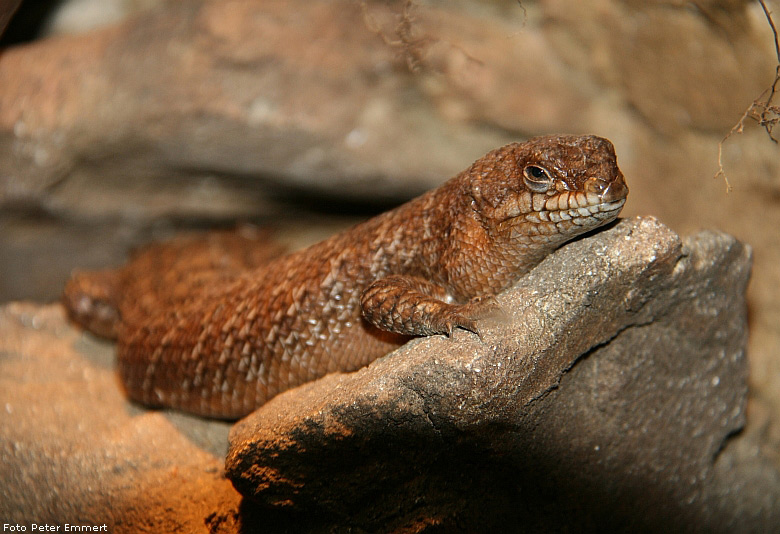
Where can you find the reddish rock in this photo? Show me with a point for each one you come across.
(74, 451)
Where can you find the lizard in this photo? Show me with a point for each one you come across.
(225, 345)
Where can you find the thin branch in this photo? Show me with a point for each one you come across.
(411, 48)
(762, 111)
(771, 25)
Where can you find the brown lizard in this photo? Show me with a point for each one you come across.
(223, 344)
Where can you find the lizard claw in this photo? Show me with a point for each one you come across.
(458, 320)
(466, 316)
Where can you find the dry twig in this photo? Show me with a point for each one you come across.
(408, 43)
(411, 48)
(762, 110)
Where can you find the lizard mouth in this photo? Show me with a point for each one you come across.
(599, 201)
(584, 215)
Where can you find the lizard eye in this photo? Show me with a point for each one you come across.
(537, 178)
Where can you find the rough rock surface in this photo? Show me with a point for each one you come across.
(521, 429)
(519, 432)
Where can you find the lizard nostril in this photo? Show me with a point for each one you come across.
(615, 191)
(607, 191)
(596, 186)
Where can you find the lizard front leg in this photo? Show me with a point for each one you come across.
(414, 306)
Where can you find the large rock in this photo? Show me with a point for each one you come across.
(604, 402)
(517, 431)
(74, 451)
(314, 95)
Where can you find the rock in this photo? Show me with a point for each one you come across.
(603, 403)
(7, 10)
(653, 56)
(74, 450)
(291, 94)
(454, 435)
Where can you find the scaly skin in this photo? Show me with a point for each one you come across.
(224, 346)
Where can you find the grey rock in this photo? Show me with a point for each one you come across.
(602, 402)
(606, 399)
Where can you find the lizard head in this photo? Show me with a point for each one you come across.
(546, 191)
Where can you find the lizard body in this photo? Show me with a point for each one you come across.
(226, 345)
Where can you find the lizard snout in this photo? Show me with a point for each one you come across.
(607, 191)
